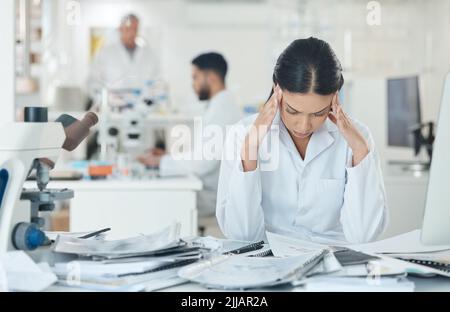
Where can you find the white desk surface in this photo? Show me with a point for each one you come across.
(175, 183)
(422, 284)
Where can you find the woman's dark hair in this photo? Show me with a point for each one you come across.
(308, 65)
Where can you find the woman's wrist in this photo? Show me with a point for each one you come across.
(359, 154)
(249, 155)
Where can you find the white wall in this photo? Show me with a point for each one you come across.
(7, 86)
(239, 31)
(413, 38)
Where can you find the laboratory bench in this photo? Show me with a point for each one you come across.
(130, 207)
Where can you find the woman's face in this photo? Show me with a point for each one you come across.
(304, 113)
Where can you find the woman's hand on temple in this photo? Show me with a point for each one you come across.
(259, 130)
(354, 138)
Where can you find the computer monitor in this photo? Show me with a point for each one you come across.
(403, 110)
(436, 221)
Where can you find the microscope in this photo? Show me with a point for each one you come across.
(26, 146)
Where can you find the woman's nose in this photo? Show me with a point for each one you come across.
(303, 124)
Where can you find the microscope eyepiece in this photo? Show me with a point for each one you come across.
(76, 130)
(36, 114)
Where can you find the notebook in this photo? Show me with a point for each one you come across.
(443, 267)
(347, 256)
(238, 272)
(264, 253)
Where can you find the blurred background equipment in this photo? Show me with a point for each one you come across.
(405, 123)
(403, 110)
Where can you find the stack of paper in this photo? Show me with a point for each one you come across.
(134, 246)
(144, 262)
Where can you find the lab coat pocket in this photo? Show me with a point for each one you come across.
(320, 206)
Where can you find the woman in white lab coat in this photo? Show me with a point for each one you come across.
(302, 167)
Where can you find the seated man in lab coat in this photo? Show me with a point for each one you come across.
(208, 80)
(126, 64)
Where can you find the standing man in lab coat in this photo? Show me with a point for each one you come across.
(127, 64)
(208, 81)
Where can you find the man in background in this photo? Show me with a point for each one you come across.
(209, 71)
(125, 64)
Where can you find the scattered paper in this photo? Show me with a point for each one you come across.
(283, 246)
(3, 279)
(129, 283)
(240, 272)
(404, 243)
(53, 235)
(23, 274)
(92, 269)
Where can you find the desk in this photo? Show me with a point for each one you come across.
(130, 207)
(430, 284)
(422, 284)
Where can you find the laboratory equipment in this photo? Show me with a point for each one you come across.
(405, 126)
(403, 110)
(26, 146)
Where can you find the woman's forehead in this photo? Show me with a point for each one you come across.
(307, 102)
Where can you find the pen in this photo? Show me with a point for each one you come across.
(95, 233)
(251, 247)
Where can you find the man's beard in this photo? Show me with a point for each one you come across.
(204, 94)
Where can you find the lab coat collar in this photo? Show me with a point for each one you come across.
(137, 53)
(320, 140)
(217, 98)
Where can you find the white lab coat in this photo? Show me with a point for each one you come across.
(321, 198)
(222, 110)
(114, 68)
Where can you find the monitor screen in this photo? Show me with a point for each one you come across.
(403, 110)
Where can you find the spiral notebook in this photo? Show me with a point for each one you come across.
(264, 253)
(443, 267)
(237, 272)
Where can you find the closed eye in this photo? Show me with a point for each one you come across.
(290, 111)
(319, 114)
